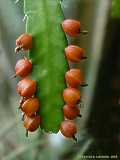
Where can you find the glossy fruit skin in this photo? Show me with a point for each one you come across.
(23, 67)
(30, 106)
(74, 53)
(71, 27)
(24, 40)
(26, 87)
(68, 128)
(71, 112)
(74, 77)
(71, 96)
(31, 123)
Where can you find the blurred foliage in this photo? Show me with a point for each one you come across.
(116, 8)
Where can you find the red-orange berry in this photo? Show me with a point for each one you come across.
(74, 53)
(23, 67)
(71, 27)
(24, 42)
(31, 123)
(68, 128)
(26, 87)
(74, 77)
(71, 112)
(71, 96)
(30, 106)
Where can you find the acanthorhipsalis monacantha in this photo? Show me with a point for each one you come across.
(49, 89)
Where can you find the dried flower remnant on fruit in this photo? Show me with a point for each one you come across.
(21, 101)
(24, 42)
(26, 87)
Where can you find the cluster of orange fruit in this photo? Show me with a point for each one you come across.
(74, 79)
(26, 87)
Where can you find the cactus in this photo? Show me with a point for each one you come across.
(44, 18)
